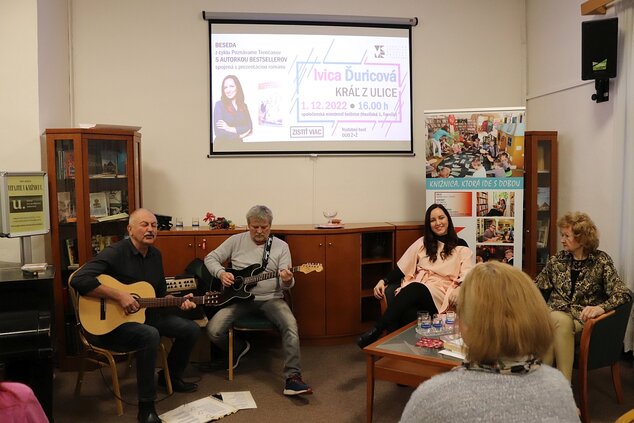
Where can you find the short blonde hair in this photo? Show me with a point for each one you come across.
(502, 314)
(583, 228)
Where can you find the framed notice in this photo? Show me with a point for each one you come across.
(23, 204)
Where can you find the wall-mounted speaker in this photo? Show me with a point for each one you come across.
(599, 40)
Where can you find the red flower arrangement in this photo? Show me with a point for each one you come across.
(217, 222)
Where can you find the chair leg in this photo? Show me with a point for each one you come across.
(80, 376)
(230, 354)
(166, 372)
(115, 384)
(616, 381)
(583, 394)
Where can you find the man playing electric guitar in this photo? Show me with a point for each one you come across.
(273, 255)
(128, 261)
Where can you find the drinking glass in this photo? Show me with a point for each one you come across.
(329, 214)
(179, 223)
(450, 321)
(424, 323)
(436, 323)
(195, 223)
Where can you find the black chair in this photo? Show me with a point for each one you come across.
(601, 346)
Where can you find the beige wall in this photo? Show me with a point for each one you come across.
(590, 162)
(19, 110)
(145, 62)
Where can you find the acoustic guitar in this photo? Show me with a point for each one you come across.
(99, 316)
(245, 279)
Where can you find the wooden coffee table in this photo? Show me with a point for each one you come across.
(396, 358)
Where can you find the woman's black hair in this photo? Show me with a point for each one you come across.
(430, 240)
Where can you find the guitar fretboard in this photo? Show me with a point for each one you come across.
(267, 275)
(175, 301)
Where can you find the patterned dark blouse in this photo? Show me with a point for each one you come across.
(598, 284)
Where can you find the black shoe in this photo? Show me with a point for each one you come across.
(147, 413)
(369, 337)
(178, 385)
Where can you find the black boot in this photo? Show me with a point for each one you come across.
(147, 412)
(369, 337)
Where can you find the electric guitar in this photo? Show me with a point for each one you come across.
(246, 278)
(99, 316)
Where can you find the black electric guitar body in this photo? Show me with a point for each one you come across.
(245, 279)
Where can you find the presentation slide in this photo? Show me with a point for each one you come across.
(310, 89)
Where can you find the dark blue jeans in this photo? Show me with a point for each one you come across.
(145, 339)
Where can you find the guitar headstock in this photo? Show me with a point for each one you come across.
(212, 298)
(311, 267)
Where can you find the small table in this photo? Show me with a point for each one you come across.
(396, 358)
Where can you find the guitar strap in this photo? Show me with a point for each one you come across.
(267, 252)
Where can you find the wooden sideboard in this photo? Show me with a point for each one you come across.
(331, 306)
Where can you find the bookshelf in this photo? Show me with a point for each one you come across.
(94, 183)
(482, 203)
(540, 200)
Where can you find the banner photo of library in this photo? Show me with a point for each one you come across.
(495, 240)
(487, 143)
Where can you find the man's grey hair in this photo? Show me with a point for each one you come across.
(260, 213)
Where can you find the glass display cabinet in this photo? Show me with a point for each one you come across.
(94, 183)
(540, 200)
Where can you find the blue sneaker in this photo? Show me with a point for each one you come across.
(296, 386)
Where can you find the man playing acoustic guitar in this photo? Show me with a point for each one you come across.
(244, 250)
(129, 261)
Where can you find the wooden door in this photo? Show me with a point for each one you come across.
(177, 251)
(343, 284)
(309, 293)
(205, 244)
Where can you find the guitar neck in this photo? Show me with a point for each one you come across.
(267, 275)
(168, 301)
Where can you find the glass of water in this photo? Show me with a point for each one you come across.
(424, 323)
(436, 323)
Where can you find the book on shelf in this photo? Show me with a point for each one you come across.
(98, 204)
(543, 198)
(65, 207)
(99, 242)
(71, 252)
(114, 202)
(109, 162)
(109, 218)
(67, 165)
(542, 233)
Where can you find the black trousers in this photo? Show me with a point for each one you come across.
(402, 309)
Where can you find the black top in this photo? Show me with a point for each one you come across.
(125, 263)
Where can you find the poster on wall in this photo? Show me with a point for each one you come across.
(475, 168)
(23, 204)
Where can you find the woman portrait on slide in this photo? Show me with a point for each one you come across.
(232, 121)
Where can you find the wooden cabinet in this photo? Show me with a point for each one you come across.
(94, 183)
(540, 200)
(327, 303)
(330, 306)
(179, 248)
